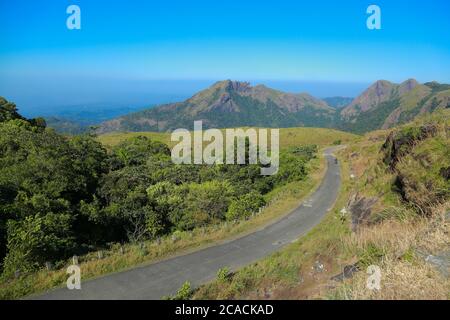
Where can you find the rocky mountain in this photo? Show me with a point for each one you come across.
(230, 104)
(385, 104)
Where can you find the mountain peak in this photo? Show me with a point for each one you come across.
(408, 85)
(378, 92)
(380, 86)
(238, 86)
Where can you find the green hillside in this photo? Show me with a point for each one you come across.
(289, 137)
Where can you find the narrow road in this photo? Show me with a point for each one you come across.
(165, 277)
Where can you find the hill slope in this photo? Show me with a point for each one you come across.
(230, 104)
(384, 104)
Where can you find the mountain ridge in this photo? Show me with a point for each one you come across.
(385, 104)
(229, 103)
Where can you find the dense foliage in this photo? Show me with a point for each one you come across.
(61, 196)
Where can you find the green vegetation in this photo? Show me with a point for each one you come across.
(64, 196)
(184, 293)
(224, 274)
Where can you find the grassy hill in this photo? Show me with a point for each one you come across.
(289, 137)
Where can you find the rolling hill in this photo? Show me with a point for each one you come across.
(289, 137)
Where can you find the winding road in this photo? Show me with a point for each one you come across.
(163, 278)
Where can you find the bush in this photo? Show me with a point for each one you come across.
(184, 293)
(223, 275)
(243, 207)
(34, 240)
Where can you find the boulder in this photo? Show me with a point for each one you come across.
(360, 209)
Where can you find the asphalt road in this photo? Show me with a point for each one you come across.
(165, 277)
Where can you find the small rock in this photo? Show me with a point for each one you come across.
(347, 273)
(318, 267)
(361, 209)
(441, 262)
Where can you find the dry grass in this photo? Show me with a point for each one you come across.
(402, 280)
(399, 248)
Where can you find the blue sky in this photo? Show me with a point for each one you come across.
(126, 47)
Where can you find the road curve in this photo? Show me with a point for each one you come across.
(165, 277)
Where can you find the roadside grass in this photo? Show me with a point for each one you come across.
(406, 233)
(399, 248)
(119, 257)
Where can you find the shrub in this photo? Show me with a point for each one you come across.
(244, 206)
(184, 293)
(223, 274)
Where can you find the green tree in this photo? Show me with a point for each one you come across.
(243, 207)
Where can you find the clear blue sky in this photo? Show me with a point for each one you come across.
(130, 41)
